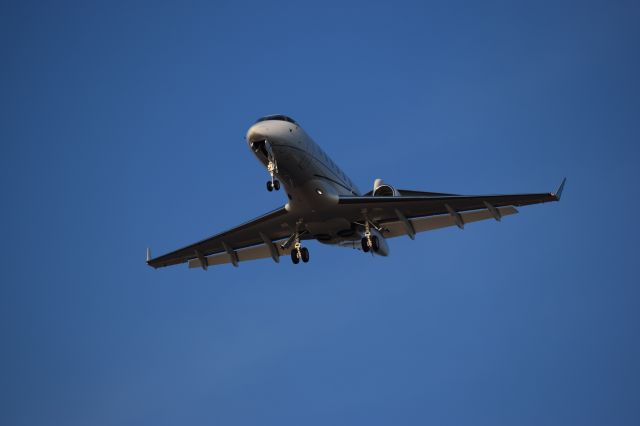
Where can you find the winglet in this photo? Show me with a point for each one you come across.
(558, 193)
(148, 254)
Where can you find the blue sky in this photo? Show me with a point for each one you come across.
(123, 127)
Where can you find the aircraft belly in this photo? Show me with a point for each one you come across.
(332, 231)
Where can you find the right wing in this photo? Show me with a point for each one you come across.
(398, 228)
(251, 240)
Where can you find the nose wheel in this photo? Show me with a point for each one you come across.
(299, 253)
(272, 168)
(273, 184)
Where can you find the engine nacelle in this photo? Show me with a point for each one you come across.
(381, 189)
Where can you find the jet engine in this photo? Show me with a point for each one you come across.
(381, 189)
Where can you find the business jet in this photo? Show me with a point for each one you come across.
(325, 205)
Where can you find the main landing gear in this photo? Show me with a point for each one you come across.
(299, 253)
(369, 242)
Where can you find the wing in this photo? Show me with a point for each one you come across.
(408, 214)
(251, 240)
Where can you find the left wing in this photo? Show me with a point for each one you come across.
(251, 240)
(426, 211)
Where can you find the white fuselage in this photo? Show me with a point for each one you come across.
(306, 171)
(312, 180)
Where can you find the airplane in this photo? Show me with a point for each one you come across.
(325, 205)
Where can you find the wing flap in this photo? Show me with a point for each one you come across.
(383, 209)
(422, 224)
(260, 251)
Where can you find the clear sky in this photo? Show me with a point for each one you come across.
(122, 126)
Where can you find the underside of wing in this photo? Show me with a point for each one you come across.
(399, 228)
(415, 206)
(413, 212)
(408, 213)
(260, 251)
(248, 241)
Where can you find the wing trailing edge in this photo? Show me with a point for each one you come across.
(260, 251)
(430, 223)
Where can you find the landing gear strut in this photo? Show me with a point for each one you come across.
(272, 167)
(369, 242)
(298, 253)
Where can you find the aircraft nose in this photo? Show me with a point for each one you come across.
(257, 132)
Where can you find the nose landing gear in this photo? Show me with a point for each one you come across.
(272, 167)
(263, 148)
(273, 184)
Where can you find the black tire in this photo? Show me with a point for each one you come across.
(276, 185)
(305, 254)
(269, 186)
(375, 244)
(294, 257)
(365, 245)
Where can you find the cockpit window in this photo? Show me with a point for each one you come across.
(277, 117)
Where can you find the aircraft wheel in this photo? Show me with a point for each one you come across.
(294, 257)
(375, 244)
(269, 186)
(365, 245)
(276, 185)
(305, 254)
